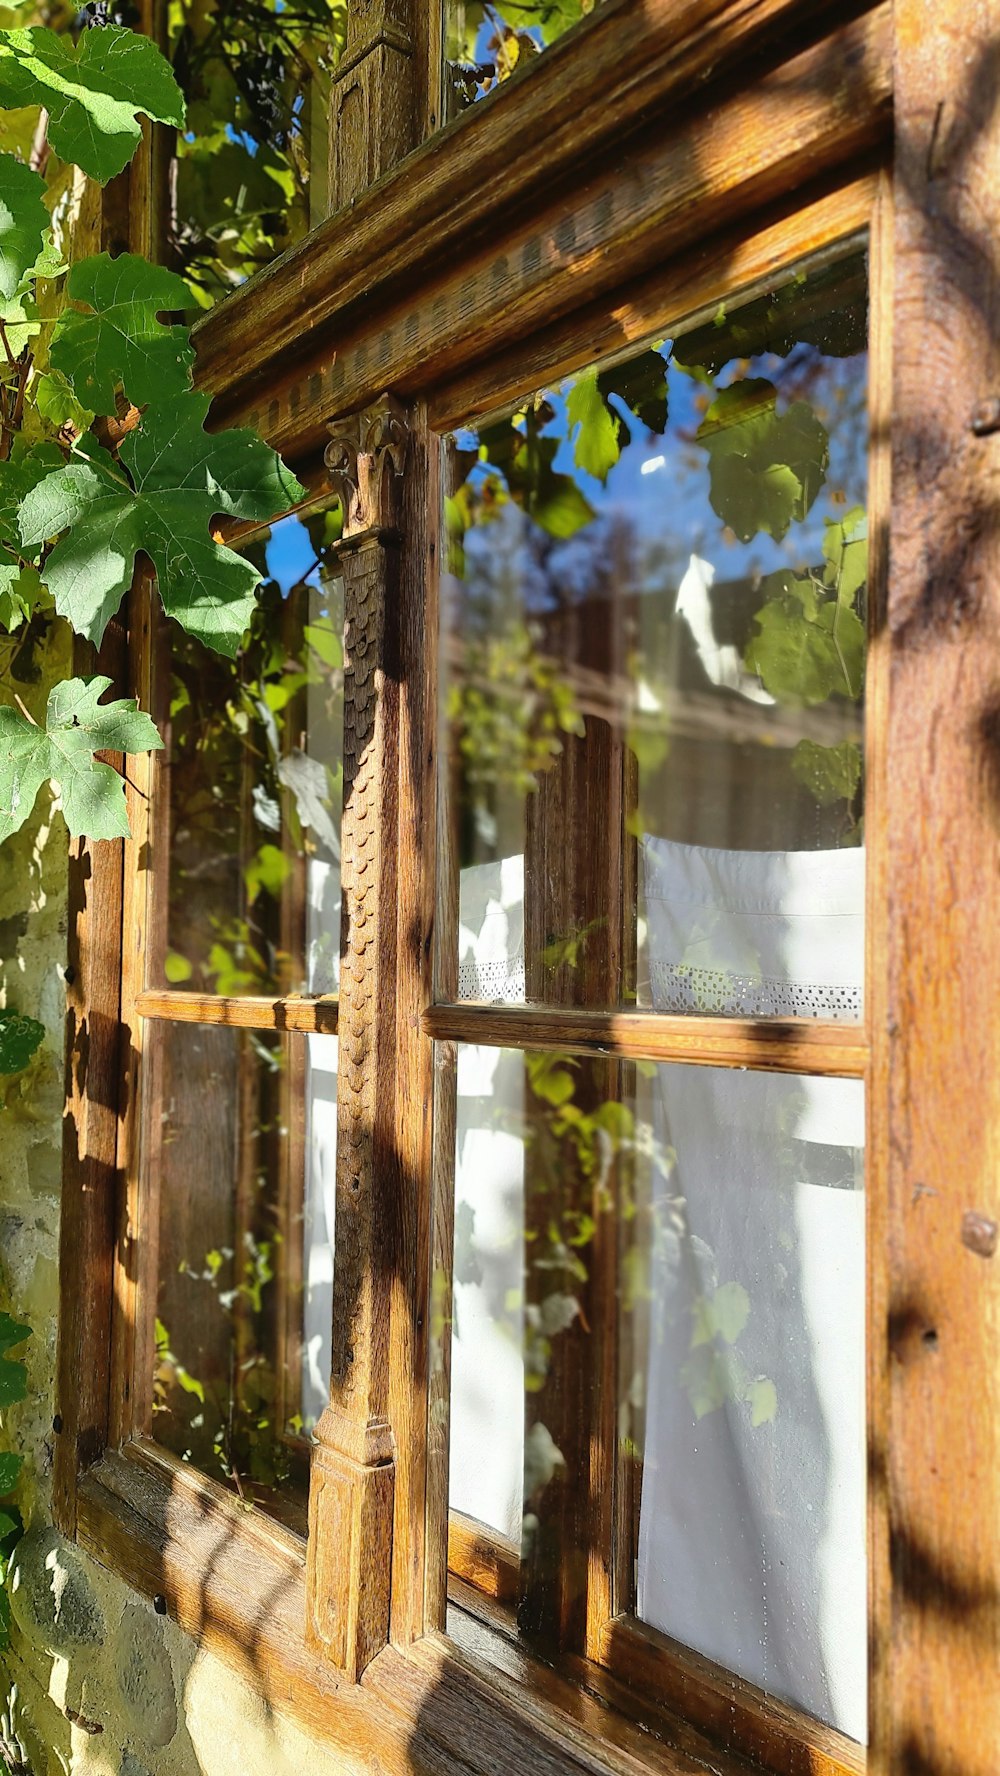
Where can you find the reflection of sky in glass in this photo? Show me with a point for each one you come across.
(672, 471)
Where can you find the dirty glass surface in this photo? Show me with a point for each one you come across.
(666, 1262)
(653, 661)
(240, 1142)
(249, 787)
(250, 172)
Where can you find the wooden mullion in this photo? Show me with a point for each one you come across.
(316, 1016)
(877, 805)
(144, 918)
(936, 1445)
(90, 1145)
(416, 859)
(770, 1045)
(98, 1054)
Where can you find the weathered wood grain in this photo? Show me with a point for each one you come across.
(733, 1711)
(236, 1584)
(936, 1702)
(796, 1046)
(690, 178)
(351, 1491)
(316, 1016)
(628, 68)
(90, 1143)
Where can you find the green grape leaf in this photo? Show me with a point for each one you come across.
(765, 467)
(21, 593)
(552, 500)
(10, 1471)
(57, 403)
(595, 445)
(845, 546)
(20, 1037)
(13, 1375)
(76, 727)
(182, 477)
(24, 469)
(21, 324)
(93, 91)
(559, 507)
(121, 341)
(24, 221)
(50, 264)
(830, 773)
(806, 649)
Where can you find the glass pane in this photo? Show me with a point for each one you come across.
(250, 176)
(240, 1142)
(485, 44)
(653, 658)
(659, 1275)
(250, 784)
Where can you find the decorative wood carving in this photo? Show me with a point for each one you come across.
(373, 110)
(351, 1493)
(362, 448)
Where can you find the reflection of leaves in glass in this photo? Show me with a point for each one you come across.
(524, 458)
(805, 648)
(542, 1459)
(765, 468)
(810, 641)
(601, 433)
(830, 773)
(713, 1373)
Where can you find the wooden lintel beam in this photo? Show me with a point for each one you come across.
(694, 173)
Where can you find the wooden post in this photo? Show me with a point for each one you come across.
(936, 1454)
(373, 110)
(351, 1494)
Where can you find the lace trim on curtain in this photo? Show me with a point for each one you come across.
(679, 987)
(499, 983)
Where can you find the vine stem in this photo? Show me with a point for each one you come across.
(25, 711)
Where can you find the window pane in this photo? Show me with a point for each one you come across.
(653, 658)
(239, 1151)
(486, 44)
(250, 784)
(656, 1358)
(250, 174)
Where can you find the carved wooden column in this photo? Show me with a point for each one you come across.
(373, 120)
(351, 1492)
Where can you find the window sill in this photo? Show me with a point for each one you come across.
(235, 1582)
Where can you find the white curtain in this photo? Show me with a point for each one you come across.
(751, 1531)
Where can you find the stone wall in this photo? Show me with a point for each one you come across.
(93, 1679)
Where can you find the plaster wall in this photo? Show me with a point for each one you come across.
(93, 1680)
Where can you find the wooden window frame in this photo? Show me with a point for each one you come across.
(674, 151)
